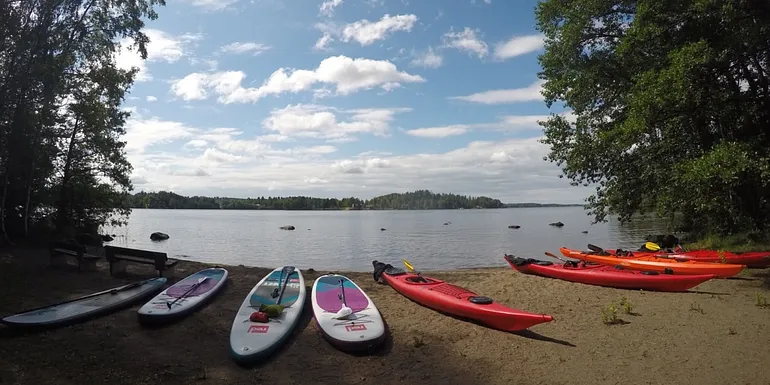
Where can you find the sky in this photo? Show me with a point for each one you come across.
(339, 98)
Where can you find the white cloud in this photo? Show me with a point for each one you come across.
(323, 42)
(512, 170)
(466, 41)
(503, 96)
(327, 7)
(142, 133)
(518, 45)
(212, 5)
(151, 98)
(313, 121)
(366, 32)
(346, 74)
(162, 47)
(439, 132)
(245, 47)
(428, 59)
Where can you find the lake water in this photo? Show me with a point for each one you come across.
(350, 240)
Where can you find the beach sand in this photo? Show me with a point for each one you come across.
(713, 335)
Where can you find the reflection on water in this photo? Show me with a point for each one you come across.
(350, 240)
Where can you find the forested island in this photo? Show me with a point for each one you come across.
(416, 200)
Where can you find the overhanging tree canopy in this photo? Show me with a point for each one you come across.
(671, 101)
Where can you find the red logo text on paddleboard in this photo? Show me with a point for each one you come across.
(354, 328)
(258, 328)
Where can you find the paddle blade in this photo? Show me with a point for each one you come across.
(408, 265)
(595, 248)
(652, 246)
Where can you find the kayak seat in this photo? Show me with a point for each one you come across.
(418, 279)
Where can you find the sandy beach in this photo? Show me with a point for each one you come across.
(715, 334)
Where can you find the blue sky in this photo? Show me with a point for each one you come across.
(342, 98)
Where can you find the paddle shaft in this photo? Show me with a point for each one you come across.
(342, 288)
(286, 282)
(190, 290)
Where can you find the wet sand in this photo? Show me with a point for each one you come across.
(716, 334)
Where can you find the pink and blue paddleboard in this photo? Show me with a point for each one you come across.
(183, 297)
(361, 329)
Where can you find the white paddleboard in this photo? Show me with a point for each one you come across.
(251, 341)
(361, 329)
(183, 297)
(86, 306)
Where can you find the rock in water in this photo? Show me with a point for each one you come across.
(289, 227)
(514, 227)
(557, 224)
(158, 236)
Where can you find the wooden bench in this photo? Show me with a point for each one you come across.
(59, 251)
(119, 257)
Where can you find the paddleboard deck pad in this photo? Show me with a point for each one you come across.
(87, 306)
(183, 297)
(363, 329)
(251, 341)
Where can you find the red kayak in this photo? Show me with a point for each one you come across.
(609, 276)
(454, 300)
(752, 259)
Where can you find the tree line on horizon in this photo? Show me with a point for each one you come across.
(416, 200)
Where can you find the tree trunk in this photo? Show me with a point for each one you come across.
(62, 214)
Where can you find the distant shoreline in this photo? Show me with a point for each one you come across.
(415, 200)
(512, 206)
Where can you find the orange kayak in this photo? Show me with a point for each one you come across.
(651, 263)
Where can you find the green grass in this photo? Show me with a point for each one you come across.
(735, 243)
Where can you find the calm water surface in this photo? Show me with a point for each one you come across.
(350, 240)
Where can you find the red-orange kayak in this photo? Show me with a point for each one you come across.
(455, 300)
(652, 263)
(753, 259)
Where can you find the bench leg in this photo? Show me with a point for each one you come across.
(117, 267)
(88, 264)
(59, 260)
(169, 273)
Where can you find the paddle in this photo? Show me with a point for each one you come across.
(554, 256)
(595, 248)
(344, 310)
(411, 270)
(288, 270)
(652, 246)
(190, 290)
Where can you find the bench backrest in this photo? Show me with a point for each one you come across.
(157, 257)
(78, 248)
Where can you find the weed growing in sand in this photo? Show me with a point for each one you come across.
(761, 301)
(626, 305)
(731, 331)
(610, 315)
(696, 308)
(418, 342)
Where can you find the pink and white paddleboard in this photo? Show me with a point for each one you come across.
(345, 314)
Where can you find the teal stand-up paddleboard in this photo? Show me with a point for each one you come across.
(256, 334)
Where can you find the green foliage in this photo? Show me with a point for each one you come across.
(739, 242)
(417, 200)
(62, 163)
(671, 102)
(761, 301)
(610, 315)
